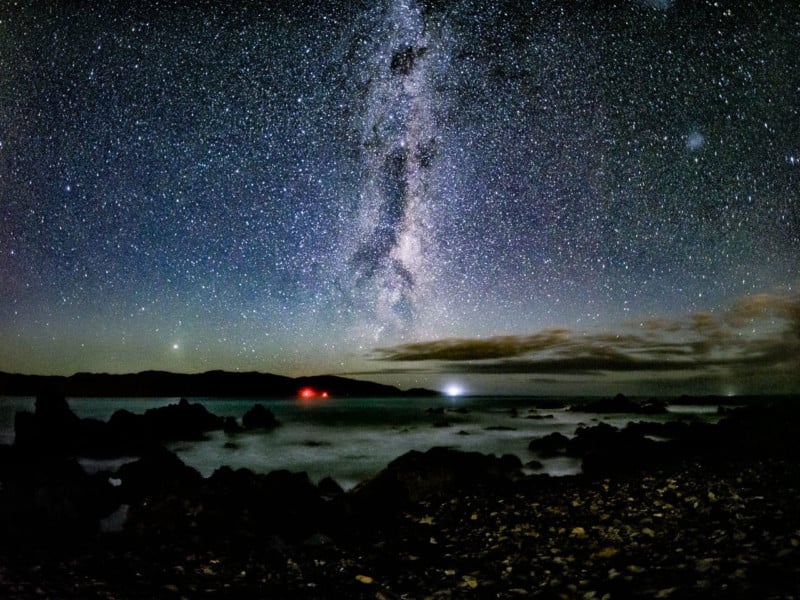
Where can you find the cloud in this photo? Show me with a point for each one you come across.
(758, 335)
(475, 349)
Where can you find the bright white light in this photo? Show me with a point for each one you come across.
(175, 346)
(453, 390)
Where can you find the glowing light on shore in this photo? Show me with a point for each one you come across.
(454, 389)
(309, 394)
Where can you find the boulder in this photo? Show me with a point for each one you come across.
(439, 471)
(330, 488)
(510, 463)
(231, 425)
(259, 417)
(280, 503)
(182, 421)
(553, 444)
(158, 470)
(590, 438)
(605, 450)
(52, 427)
(50, 500)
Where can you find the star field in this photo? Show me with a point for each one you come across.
(300, 187)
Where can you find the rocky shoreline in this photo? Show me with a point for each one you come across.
(709, 512)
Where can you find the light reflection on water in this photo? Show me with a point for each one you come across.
(351, 439)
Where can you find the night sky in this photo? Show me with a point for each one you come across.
(527, 197)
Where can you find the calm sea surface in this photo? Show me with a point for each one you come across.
(351, 439)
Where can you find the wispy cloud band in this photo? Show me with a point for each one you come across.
(758, 333)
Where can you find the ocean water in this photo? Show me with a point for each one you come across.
(351, 439)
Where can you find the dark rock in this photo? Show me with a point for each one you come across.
(52, 427)
(155, 472)
(441, 423)
(231, 446)
(115, 521)
(510, 463)
(259, 417)
(621, 404)
(50, 499)
(315, 444)
(231, 425)
(439, 471)
(654, 406)
(606, 450)
(330, 487)
(127, 425)
(282, 503)
(534, 464)
(421, 392)
(182, 421)
(500, 428)
(54, 410)
(552, 444)
(591, 438)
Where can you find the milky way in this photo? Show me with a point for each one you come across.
(399, 141)
(312, 186)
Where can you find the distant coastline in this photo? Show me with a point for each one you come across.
(224, 384)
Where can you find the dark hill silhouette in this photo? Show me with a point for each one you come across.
(210, 383)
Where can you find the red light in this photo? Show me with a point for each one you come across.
(308, 395)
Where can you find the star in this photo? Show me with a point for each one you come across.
(352, 177)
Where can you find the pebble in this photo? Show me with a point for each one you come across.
(578, 532)
(703, 564)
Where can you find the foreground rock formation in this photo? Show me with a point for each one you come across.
(711, 513)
